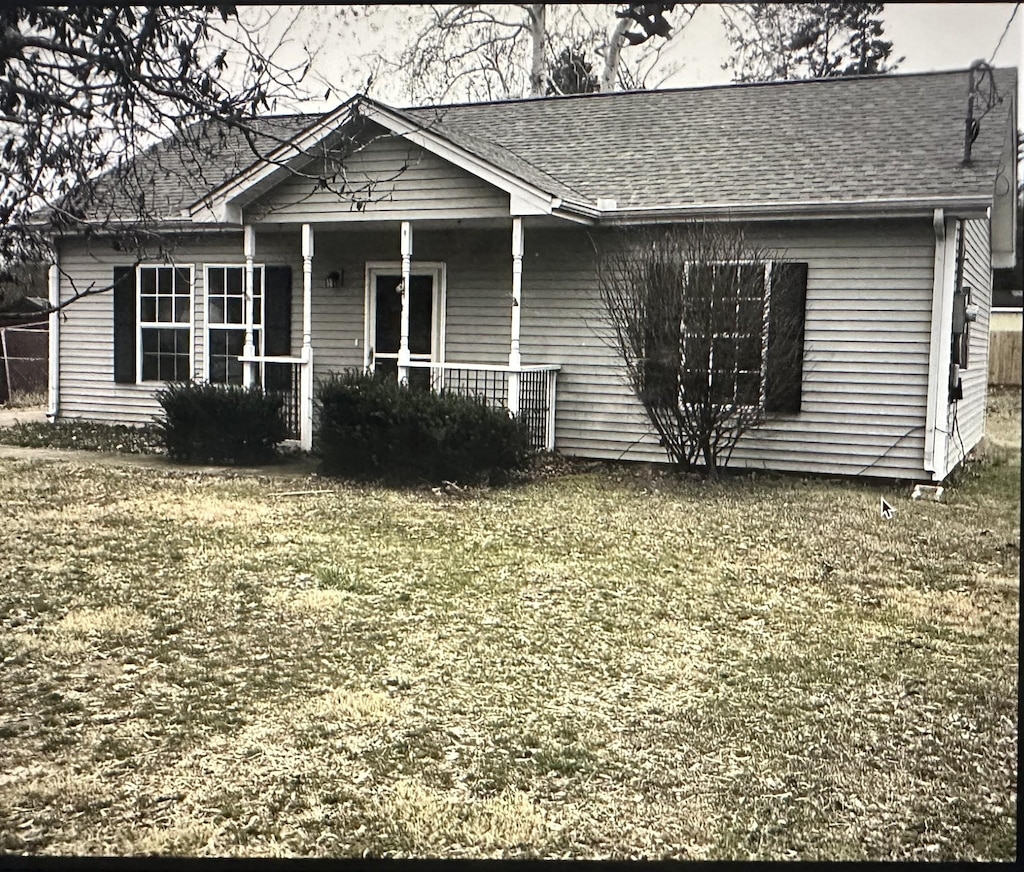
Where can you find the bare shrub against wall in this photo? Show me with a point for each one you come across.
(710, 329)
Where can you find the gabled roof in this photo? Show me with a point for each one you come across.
(832, 144)
(531, 188)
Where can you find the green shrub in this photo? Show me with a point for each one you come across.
(372, 427)
(205, 423)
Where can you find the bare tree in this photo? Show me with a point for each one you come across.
(688, 310)
(109, 114)
(476, 52)
(86, 90)
(806, 40)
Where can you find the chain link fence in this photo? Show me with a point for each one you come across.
(24, 357)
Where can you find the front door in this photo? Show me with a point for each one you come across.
(384, 328)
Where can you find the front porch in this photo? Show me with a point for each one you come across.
(410, 317)
(527, 392)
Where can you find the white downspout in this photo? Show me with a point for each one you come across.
(53, 372)
(936, 439)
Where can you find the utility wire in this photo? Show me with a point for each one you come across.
(1006, 30)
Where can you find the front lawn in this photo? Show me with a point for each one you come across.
(590, 665)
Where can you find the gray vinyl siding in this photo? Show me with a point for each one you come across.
(967, 417)
(87, 387)
(865, 365)
(389, 179)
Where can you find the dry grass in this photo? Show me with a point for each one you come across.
(26, 400)
(596, 665)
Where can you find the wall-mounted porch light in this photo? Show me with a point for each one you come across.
(334, 279)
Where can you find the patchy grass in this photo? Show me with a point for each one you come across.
(584, 666)
(83, 436)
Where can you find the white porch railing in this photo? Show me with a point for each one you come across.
(290, 379)
(528, 392)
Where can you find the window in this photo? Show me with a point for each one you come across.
(724, 331)
(153, 330)
(737, 329)
(225, 321)
(165, 323)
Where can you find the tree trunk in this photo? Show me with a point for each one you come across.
(710, 461)
(538, 36)
(611, 60)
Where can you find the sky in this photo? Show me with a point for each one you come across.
(930, 36)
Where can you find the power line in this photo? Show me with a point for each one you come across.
(1006, 30)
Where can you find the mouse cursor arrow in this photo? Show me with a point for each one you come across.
(888, 512)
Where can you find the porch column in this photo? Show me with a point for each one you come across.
(306, 380)
(403, 343)
(514, 357)
(249, 347)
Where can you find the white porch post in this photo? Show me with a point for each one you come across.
(306, 379)
(249, 347)
(403, 344)
(514, 357)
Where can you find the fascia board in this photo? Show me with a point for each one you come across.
(585, 216)
(167, 225)
(218, 212)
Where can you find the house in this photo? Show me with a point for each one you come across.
(454, 245)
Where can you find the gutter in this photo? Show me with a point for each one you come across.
(163, 225)
(965, 206)
(53, 369)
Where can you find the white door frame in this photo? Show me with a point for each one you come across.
(437, 271)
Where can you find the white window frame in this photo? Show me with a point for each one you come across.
(141, 325)
(260, 325)
(439, 272)
(765, 310)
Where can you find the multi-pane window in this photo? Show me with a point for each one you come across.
(225, 320)
(165, 322)
(724, 331)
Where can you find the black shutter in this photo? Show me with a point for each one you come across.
(125, 327)
(786, 337)
(277, 325)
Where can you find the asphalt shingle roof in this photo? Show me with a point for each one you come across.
(172, 176)
(833, 141)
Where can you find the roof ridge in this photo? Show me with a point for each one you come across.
(691, 88)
